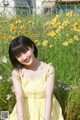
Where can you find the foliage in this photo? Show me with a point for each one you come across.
(58, 42)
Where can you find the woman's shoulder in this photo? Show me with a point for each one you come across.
(48, 66)
(49, 69)
(15, 72)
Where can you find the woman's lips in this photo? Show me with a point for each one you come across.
(27, 59)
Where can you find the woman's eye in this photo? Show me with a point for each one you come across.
(25, 51)
(18, 55)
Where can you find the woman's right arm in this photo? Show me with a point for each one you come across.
(18, 93)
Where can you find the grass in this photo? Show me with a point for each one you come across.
(58, 42)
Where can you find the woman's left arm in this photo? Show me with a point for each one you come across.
(49, 92)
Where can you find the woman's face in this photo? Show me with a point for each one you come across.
(26, 57)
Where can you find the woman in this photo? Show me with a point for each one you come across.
(33, 82)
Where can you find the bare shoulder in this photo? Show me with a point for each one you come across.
(15, 75)
(44, 64)
(15, 72)
(51, 67)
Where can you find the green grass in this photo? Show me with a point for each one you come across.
(65, 59)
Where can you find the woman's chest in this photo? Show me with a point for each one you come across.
(31, 88)
(33, 75)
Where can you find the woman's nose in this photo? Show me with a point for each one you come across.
(24, 57)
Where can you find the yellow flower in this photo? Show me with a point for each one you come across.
(58, 30)
(47, 23)
(69, 13)
(75, 29)
(12, 20)
(51, 34)
(34, 35)
(18, 21)
(4, 21)
(22, 28)
(50, 46)
(55, 18)
(13, 28)
(54, 25)
(38, 44)
(65, 23)
(29, 21)
(76, 24)
(65, 43)
(67, 35)
(44, 43)
(56, 38)
(70, 41)
(76, 38)
(1, 34)
(36, 41)
(60, 27)
(26, 32)
(71, 30)
(18, 16)
(10, 37)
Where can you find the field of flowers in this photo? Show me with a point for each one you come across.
(58, 42)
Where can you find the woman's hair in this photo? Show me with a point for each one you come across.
(17, 46)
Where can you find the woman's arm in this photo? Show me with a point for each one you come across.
(18, 93)
(49, 93)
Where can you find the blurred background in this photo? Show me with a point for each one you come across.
(54, 26)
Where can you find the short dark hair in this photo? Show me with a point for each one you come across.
(18, 45)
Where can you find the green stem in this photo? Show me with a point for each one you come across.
(3, 100)
(5, 67)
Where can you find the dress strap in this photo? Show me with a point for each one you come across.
(21, 74)
(48, 67)
(48, 71)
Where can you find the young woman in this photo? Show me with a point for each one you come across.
(33, 82)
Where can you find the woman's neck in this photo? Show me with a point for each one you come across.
(35, 65)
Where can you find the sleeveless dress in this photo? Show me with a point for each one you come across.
(34, 100)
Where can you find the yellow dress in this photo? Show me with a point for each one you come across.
(34, 100)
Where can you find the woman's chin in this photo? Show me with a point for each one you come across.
(29, 63)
